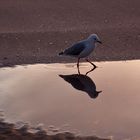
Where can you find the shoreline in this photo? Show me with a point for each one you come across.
(8, 131)
(43, 47)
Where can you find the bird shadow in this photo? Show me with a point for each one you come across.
(83, 83)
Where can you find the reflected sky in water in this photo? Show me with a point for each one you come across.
(104, 103)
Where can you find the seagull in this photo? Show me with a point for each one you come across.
(82, 49)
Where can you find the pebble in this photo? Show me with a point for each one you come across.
(50, 43)
(106, 21)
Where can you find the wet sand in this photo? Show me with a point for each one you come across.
(35, 32)
(9, 132)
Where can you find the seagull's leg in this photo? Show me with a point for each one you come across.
(78, 65)
(91, 63)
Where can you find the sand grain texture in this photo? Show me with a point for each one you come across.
(34, 32)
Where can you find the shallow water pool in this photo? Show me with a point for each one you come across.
(105, 102)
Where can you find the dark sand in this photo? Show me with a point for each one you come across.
(36, 31)
(9, 132)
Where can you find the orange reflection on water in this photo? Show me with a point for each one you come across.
(53, 94)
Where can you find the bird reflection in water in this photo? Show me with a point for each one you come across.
(83, 83)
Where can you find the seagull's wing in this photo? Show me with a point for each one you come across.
(76, 49)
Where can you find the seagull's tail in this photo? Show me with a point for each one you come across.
(98, 91)
(61, 53)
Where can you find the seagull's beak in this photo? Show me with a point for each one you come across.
(99, 41)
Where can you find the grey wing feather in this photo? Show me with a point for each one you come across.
(76, 49)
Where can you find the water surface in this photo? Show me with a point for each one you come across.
(104, 103)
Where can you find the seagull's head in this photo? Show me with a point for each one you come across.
(94, 38)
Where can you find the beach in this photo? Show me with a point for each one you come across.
(36, 31)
